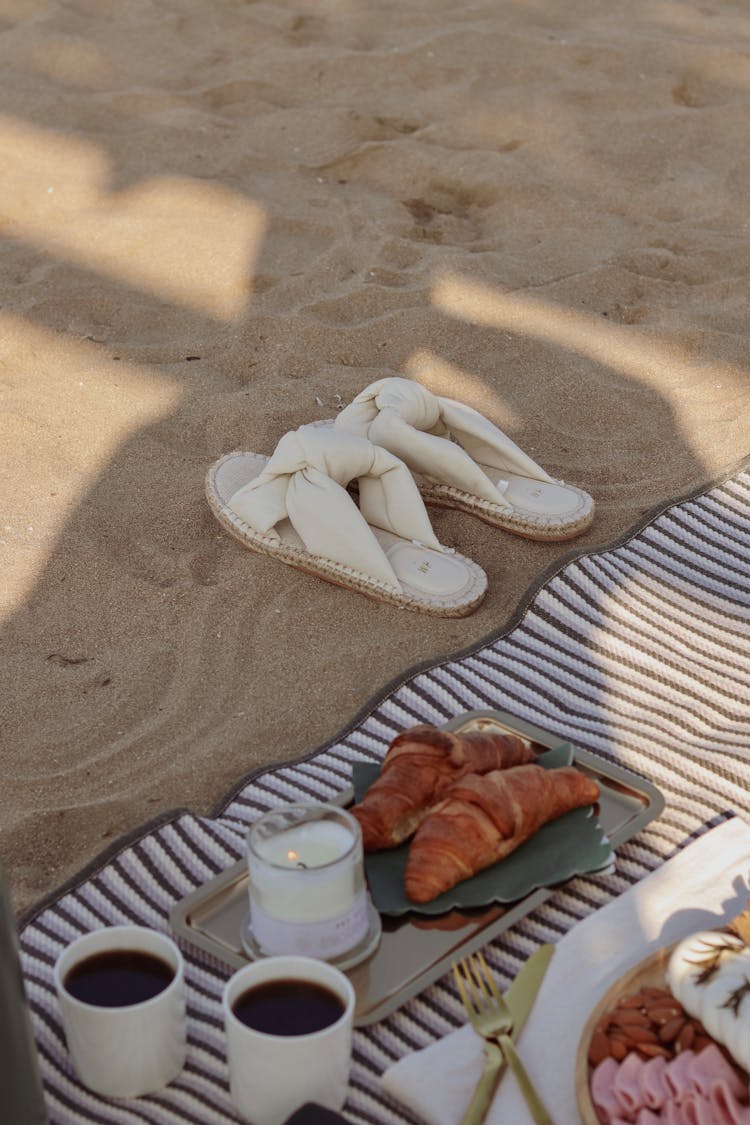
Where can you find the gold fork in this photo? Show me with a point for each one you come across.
(492, 1019)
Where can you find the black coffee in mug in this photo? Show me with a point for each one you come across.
(288, 1007)
(116, 978)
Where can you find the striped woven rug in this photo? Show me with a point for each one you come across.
(639, 653)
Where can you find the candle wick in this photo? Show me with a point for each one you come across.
(299, 863)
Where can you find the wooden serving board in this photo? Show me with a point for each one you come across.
(648, 973)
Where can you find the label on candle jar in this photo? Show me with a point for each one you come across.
(330, 937)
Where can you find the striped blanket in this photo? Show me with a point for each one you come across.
(639, 653)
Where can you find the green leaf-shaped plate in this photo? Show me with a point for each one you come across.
(574, 844)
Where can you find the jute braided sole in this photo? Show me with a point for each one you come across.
(529, 525)
(338, 573)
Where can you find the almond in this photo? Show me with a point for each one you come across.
(671, 1029)
(686, 1037)
(640, 1035)
(618, 1049)
(599, 1048)
(652, 1049)
(664, 1013)
(634, 1001)
(629, 1017)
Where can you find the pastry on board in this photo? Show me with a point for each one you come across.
(421, 763)
(484, 817)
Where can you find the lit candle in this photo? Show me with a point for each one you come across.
(307, 888)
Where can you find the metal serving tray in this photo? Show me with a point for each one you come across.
(417, 949)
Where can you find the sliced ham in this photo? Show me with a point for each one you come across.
(628, 1084)
(711, 1069)
(690, 1089)
(653, 1082)
(677, 1075)
(603, 1096)
(647, 1116)
(726, 1109)
(697, 1110)
(678, 1113)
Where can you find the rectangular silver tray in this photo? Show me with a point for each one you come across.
(414, 950)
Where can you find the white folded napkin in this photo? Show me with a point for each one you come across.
(704, 886)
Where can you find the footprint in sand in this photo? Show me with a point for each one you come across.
(366, 306)
(305, 29)
(698, 91)
(390, 279)
(204, 565)
(241, 94)
(447, 218)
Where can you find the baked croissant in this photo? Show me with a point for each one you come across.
(421, 763)
(482, 818)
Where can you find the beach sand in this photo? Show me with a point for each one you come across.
(222, 220)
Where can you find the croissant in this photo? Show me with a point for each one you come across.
(482, 818)
(421, 763)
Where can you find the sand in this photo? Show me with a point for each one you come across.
(222, 220)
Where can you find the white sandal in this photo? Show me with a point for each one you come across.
(462, 460)
(295, 507)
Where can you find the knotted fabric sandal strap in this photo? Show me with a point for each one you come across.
(485, 442)
(462, 460)
(413, 423)
(305, 482)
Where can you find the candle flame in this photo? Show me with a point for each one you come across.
(293, 857)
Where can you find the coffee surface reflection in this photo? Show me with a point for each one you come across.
(288, 1007)
(117, 978)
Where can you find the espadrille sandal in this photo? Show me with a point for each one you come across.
(295, 507)
(462, 460)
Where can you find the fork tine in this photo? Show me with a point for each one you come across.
(482, 979)
(478, 981)
(474, 980)
(458, 968)
(492, 1018)
(476, 1111)
(470, 992)
(489, 977)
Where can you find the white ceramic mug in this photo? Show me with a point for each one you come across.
(271, 1076)
(131, 1050)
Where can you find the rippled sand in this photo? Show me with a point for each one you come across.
(222, 220)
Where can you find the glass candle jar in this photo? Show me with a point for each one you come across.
(306, 882)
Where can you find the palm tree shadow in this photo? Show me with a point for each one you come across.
(154, 661)
(151, 661)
